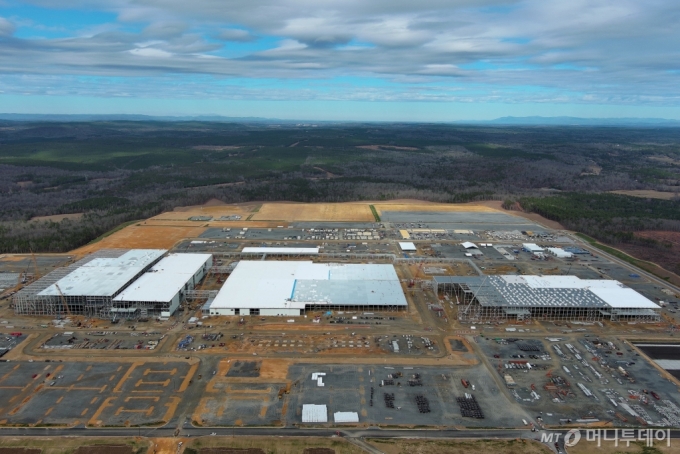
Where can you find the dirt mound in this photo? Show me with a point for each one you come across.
(20, 451)
(104, 449)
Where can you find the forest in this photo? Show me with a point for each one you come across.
(113, 172)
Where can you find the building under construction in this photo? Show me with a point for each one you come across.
(86, 287)
(516, 298)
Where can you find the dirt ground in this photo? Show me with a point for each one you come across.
(420, 206)
(359, 212)
(660, 235)
(104, 449)
(607, 447)
(67, 445)
(647, 194)
(391, 446)
(276, 445)
(501, 269)
(143, 237)
(214, 208)
(531, 216)
(58, 217)
(667, 258)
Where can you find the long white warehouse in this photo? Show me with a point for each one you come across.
(292, 287)
(161, 289)
(88, 286)
(105, 277)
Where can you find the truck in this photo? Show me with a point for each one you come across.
(465, 382)
(509, 381)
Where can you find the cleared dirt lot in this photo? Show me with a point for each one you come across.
(314, 212)
(216, 211)
(143, 236)
(274, 445)
(77, 445)
(458, 446)
(423, 206)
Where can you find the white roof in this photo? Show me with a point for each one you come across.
(532, 247)
(613, 293)
(293, 284)
(314, 413)
(407, 246)
(559, 252)
(468, 245)
(258, 284)
(623, 297)
(281, 250)
(104, 276)
(346, 416)
(573, 282)
(165, 279)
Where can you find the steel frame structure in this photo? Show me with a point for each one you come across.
(471, 310)
(28, 301)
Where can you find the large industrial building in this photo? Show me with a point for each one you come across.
(516, 298)
(96, 285)
(162, 288)
(293, 287)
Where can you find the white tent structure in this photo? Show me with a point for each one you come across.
(314, 413)
(346, 416)
(407, 246)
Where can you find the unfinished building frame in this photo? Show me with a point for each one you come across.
(45, 298)
(497, 299)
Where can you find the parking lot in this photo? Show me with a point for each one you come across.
(95, 394)
(390, 395)
(103, 340)
(9, 340)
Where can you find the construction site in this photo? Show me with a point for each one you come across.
(351, 315)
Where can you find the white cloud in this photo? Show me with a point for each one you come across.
(573, 49)
(6, 27)
(150, 52)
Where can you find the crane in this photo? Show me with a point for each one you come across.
(63, 301)
(36, 270)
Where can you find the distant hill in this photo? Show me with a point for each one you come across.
(509, 121)
(577, 121)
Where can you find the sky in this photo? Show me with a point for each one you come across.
(350, 60)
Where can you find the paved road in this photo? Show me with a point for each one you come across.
(371, 432)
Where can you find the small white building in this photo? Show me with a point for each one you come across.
(532, 247)
(560, 253)
(407, 246)
(469, 245)
(161, 289)
(314, 413)
(346, 416)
